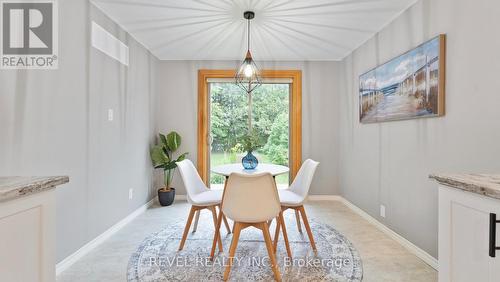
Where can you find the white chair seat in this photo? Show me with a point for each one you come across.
(207, 198)
(289, 198)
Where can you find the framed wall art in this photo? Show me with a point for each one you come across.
(406, 87)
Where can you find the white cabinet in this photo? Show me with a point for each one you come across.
(27, 238)
(464, 230)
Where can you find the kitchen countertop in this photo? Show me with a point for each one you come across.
(13, 187)
(483, 184)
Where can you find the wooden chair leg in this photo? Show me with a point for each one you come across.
(276, 235)
(196, 219)
(308, 228)
(220, 209)
(285, 235)
(225, 222)
(269, 222)
(214, 216)
(216, 235)
(269, 246)
(186, 229)
(297, 217)
(232, 249)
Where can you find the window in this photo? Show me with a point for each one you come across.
(229, 107)
(213, 81)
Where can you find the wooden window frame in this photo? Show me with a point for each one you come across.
(295, 140)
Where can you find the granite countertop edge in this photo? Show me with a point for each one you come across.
(18, 186)
(483, 184)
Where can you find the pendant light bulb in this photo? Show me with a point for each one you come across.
(248, 70)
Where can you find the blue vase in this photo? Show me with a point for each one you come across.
(249, 161)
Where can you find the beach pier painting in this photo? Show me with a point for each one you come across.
(408, 86)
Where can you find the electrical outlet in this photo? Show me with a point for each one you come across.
(382, 211)
(110, 115)
(130, 193)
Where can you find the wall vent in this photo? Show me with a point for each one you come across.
(105, 42)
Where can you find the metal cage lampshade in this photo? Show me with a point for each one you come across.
(247, 76)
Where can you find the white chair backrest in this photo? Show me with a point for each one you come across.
(304, 177)
(192, 181)
(251, 198)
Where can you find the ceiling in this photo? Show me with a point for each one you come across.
(282, 30)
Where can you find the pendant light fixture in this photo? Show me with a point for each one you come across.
(247, 76)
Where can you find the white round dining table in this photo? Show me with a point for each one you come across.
(227, 169)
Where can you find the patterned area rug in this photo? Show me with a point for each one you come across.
(157, 258)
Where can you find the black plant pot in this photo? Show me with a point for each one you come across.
(166, 198)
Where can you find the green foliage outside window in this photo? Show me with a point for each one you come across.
(229, 123)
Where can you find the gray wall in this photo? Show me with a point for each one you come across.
(55, 123)
(177, 110)
(389, 163)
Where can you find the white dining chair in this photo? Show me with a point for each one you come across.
(199, 196)
(295, 196)
(251, 200)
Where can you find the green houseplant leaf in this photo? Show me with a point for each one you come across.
(173, 141)
(163, 139)
(158, 156)
(170, 165)
(181, 157)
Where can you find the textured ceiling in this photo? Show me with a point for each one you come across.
(281, 30)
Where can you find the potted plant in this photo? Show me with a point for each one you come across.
(250, 143)
(162, 157)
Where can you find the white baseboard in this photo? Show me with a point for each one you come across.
(324, 198)
(423, 255)
(71, 259)
(180, 198)
(309, 198)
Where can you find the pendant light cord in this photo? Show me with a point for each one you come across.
(248, 39)
(249, 86)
